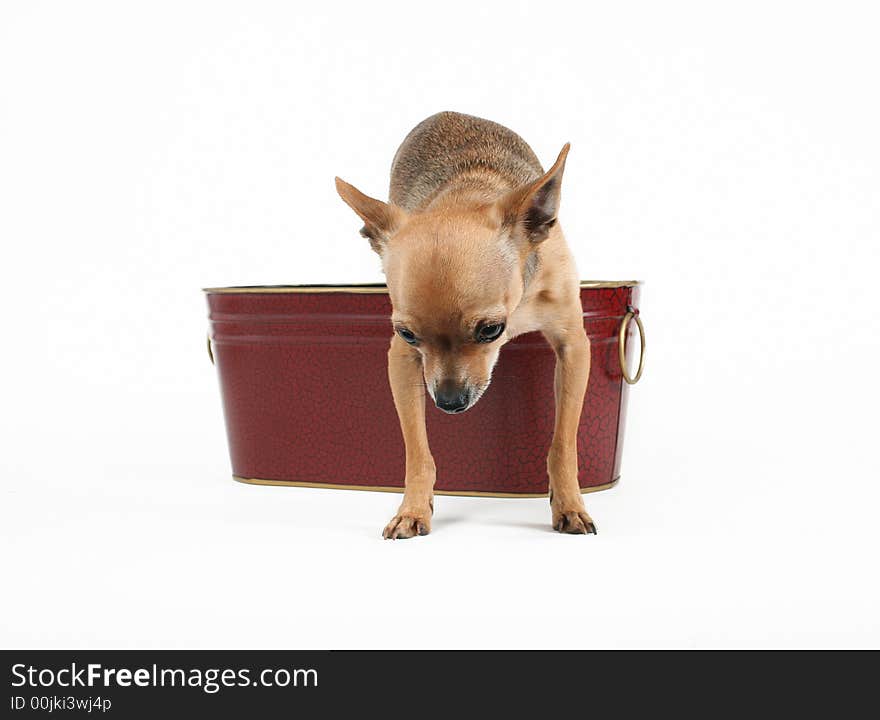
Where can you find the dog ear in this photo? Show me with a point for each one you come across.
(381, 219)
(533, 208)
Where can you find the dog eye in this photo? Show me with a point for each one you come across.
(407, 335)
(489, 333)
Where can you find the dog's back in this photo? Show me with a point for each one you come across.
(449, 148)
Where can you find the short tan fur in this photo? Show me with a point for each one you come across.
(474, 256)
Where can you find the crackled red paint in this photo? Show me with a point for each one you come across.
(305, 391)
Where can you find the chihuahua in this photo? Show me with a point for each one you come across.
(474, 256)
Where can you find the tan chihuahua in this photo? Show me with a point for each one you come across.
(473, 257)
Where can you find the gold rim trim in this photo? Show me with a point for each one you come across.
(389, 489)
(367, 288)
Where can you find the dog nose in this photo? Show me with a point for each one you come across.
(451, 398)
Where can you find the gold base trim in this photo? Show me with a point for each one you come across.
(389, 489)
(370, 288)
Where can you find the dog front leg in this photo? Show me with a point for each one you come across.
(572, 348)
(408, 388)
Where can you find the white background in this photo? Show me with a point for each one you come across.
(727, 156)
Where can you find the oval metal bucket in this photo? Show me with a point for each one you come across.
(304, 382)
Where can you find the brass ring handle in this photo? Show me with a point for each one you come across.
(210, 351)
(621, 346)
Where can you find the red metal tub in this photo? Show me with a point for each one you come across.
(304, 380)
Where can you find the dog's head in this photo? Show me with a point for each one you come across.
(455, 275)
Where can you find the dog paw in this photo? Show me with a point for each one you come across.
(576, 522)
(407, 524)
(569, 515)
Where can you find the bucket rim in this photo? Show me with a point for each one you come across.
(368, 288)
